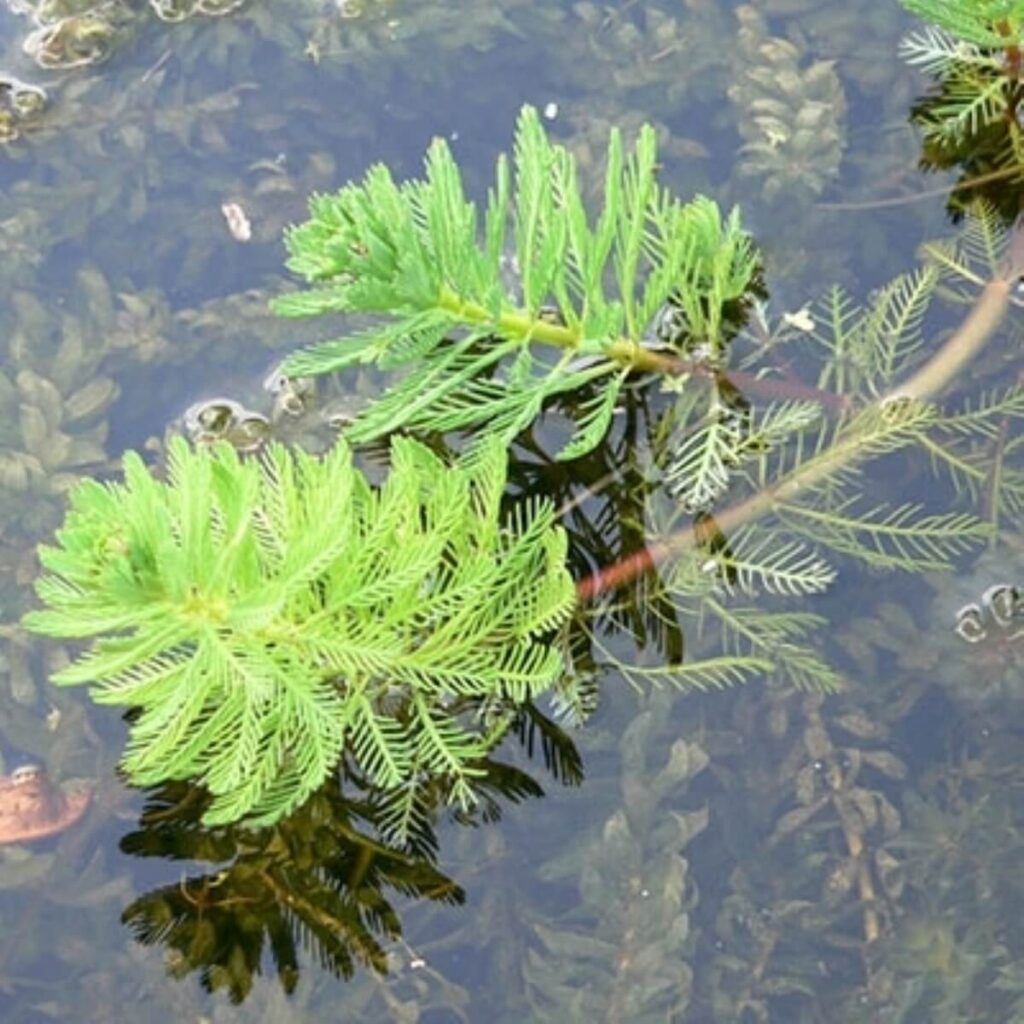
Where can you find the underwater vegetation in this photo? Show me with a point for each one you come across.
(621, 952)
(791, 118)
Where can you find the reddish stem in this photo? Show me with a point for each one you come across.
(1013, 54)
(613, 576)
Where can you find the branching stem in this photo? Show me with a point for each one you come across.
(965, 344)
(521, 325)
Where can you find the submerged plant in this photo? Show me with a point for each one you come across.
(791, 118)
(630, 933)
(266, 616)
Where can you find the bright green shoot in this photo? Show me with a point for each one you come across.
(266, 616)
(543, 300)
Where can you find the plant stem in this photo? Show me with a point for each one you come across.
(632, 354)
(514, 324)
(976, 330)
(1008, 30)
(1015, 171)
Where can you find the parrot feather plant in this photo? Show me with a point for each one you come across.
(268, 617)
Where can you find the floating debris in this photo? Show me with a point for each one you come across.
(239, 225)
(32, 806)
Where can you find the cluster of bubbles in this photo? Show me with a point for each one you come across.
(224, 419)
(1000, 612)
(180, 10)
(990, 631)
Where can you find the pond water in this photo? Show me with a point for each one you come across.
(758, 854)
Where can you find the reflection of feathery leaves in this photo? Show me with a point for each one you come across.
(561, 757)
(405, 817)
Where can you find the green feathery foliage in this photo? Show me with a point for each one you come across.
(993, 24)
(973, 49)
(267, 616)
(487, 337)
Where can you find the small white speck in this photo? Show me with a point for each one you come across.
(801, 320)
(551, 111)
(237, 221)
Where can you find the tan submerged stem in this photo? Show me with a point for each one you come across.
(974, 332)
(931, 193)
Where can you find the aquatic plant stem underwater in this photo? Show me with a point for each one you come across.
(929, 193)
(965, 344)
